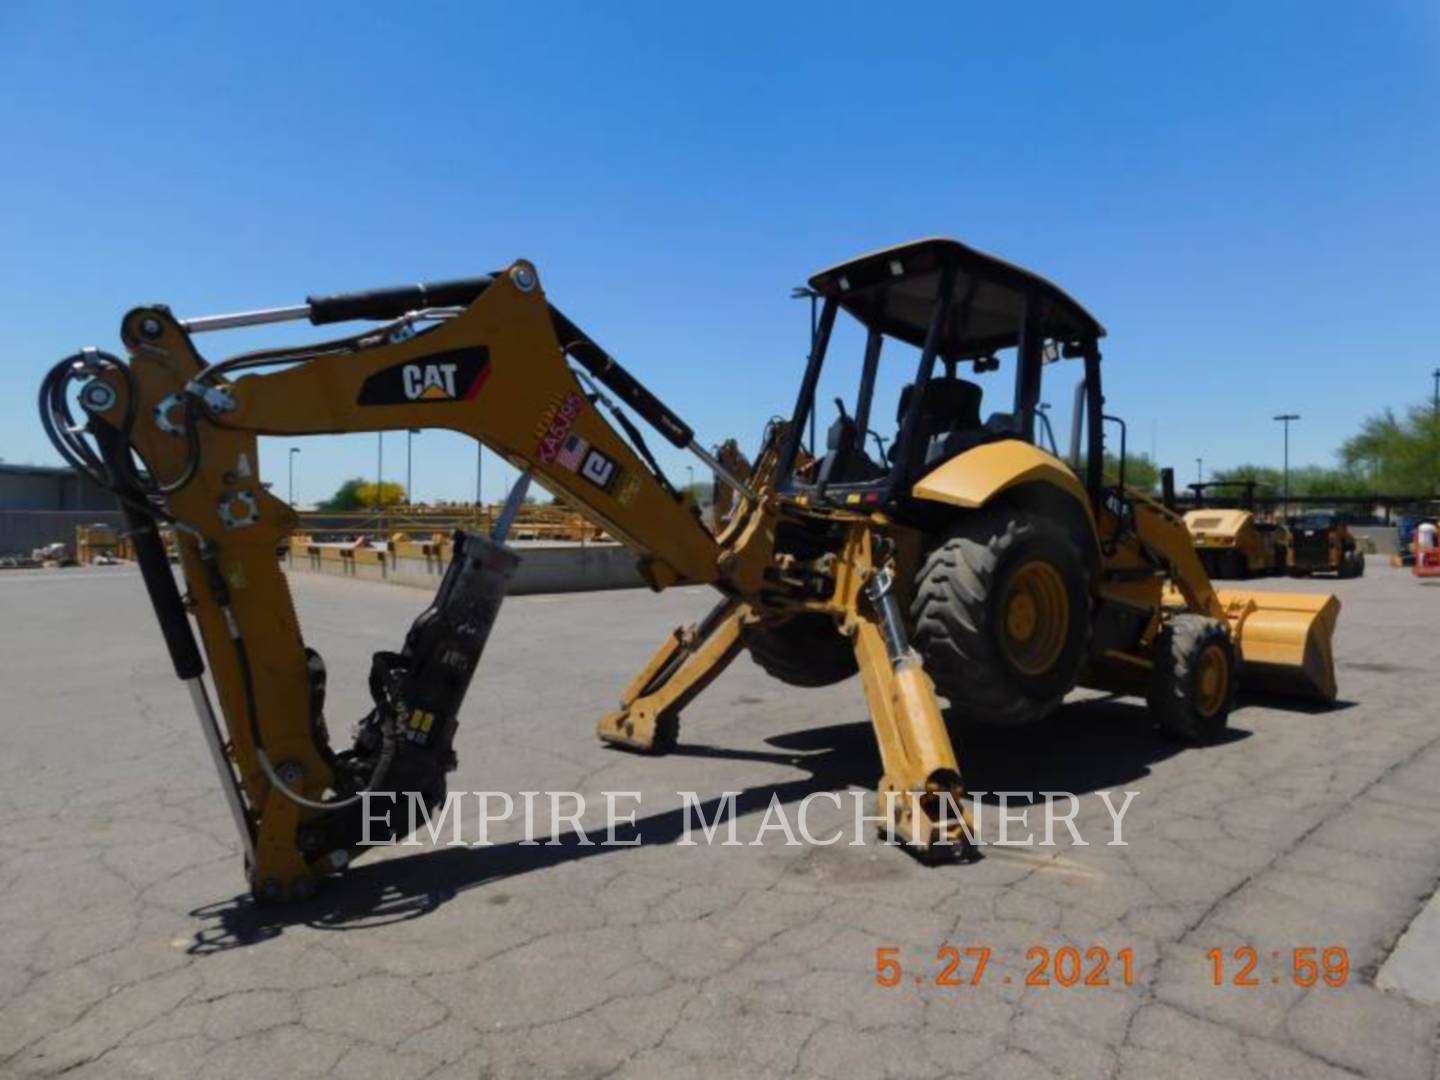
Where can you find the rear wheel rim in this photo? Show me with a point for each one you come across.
(1212, 681)
(1034, 618)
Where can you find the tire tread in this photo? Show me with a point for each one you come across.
(949, 617)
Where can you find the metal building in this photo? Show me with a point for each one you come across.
(49, 487)
(42, 504)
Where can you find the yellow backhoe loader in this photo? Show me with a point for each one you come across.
(1233, 541)
(963, 561)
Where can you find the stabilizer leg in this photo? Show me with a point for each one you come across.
(921, 789)
(689, 660)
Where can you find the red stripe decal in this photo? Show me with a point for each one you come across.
(478, 383)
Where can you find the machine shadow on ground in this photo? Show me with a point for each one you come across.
(1086, 746)
(1091, 745)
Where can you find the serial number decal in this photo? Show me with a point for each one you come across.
(555, 424)
(628, 488)
(1304, 965)
(955, 965)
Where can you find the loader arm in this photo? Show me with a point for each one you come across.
(1164, 534)
(1286, 640)
(492, 363)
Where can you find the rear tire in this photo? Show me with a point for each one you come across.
(807, 650)
(1001, 617)
(1192, 688)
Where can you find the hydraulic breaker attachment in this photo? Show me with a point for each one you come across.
(920, 791)
(418, 691)
(688, 661)
(402, 747)
(1286, 641)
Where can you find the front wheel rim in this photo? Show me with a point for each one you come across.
(1212, 681)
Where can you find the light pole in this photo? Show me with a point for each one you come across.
(1285, 419)
(479, 461)
(1435, 423)
(379, 469)
(410, 434)
(1199, 470)
(293, 451)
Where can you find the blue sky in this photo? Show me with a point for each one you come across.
(1245, 194)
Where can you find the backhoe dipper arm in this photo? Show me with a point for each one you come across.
(493, 366)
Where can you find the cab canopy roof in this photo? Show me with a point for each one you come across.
(894, 291)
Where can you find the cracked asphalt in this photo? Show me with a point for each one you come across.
(129, 948)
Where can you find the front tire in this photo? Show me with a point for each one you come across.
(1002, 617)
(1192, 688)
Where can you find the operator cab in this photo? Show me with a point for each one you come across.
(1316, 520)
(969, 315)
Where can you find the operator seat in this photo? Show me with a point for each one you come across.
(950, 405)
(949, 420)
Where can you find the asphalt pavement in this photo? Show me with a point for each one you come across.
(129, 946)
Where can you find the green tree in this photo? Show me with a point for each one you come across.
(1141, 473)
(1304, 479)
(1398, 456)
(358, 493)
(1264, 476)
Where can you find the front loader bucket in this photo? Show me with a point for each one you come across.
(1285, 640)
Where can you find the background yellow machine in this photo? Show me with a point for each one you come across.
(1232, 540)
(1321, 543)
(961, 560)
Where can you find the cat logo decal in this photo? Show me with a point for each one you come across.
(451, 376)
